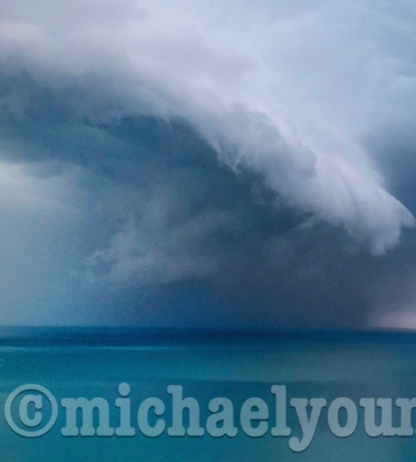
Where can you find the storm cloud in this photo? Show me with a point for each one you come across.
(226, 165)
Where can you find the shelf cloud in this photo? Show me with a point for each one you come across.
(222, 165)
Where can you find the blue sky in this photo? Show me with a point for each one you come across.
(224, 164)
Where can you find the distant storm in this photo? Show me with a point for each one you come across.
(224, 164)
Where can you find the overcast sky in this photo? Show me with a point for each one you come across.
(222, 164)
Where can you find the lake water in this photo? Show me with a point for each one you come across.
(73, 363)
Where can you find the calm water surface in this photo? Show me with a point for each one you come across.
(92, 363)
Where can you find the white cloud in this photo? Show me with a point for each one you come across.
(306, 79)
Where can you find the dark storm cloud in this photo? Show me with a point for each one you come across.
(166, 233)
(159, 166)
(155, 206)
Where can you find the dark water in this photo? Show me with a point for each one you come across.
(92, 363)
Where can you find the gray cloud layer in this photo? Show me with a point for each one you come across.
(168, 164)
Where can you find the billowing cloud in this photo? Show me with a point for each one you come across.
(229, 149)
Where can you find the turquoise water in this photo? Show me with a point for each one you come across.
(73, 364)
